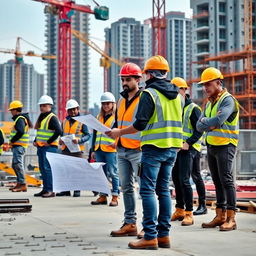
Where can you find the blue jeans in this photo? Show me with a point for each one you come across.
(110, 168)
(45, 167)
(18, 163)
(156, 164)
(128, 164)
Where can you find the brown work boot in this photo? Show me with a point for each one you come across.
(114, 201)
(125, 230)
(188, 219)
(164, 242)
(218, 220)
(20, 188)
(230, 223)
(179, 214)
(12, 187)
(144, 244)
(141, 234)
(101, 200)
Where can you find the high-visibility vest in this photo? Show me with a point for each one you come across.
(229, 131)
(1, 146)
(125, 118)
(102, 140)
(76, 129)
(187, 126)
(24, 139)
(164, 129)
(43, 133)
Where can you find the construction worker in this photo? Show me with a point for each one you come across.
(18, 141)
(159, 118)
(71, 126)
(183, 167)
(128, 146)
(48, 130)
(1, 141)
(220, 122)
(103, 148)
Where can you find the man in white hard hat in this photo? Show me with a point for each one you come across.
(71, 126)
(48, 130)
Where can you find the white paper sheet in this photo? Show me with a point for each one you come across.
(74, 173)
(69, 143)
(92, 122)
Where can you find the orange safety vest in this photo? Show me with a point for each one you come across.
(76, 129)
(102, 141)
(125, 118)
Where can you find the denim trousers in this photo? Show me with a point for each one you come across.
(220, 160)
(110, 168)
(128, 165)
(45, 167)
(18, 163)
(181, 174)
(156, 167)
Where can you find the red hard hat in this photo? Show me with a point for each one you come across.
(130, 69)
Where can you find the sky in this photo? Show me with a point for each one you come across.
(25, 18)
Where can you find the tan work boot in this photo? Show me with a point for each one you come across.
(144, 244)
(114, 201)
(164, 242)
(188, 219)
(219, 219)
(125, 230)
(230, 223)
(179, 214)
(101, 200)
(20, 188)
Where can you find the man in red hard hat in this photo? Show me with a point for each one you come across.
(128, 146)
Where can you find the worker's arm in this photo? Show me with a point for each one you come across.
(1, 138)
(20, 129)
(86, 135)
(55, 126)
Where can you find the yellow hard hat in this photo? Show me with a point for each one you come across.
(156, 63)
(179, 82)
(210, 74)
(15, 104)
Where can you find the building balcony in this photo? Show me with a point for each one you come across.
(200, 15)
(202, 28)
(202, 53)
(202, 41)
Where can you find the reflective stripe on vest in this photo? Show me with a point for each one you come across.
(164, 129)
(102, 140)
(24, 139)
(76, 129)
(43, 133)
(125, 118)
(229, 131)
(187, 126)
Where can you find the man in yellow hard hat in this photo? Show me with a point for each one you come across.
(159, 118)
(183, 168)
(19, 141)
(220, 122)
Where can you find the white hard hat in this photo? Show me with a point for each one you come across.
(107, 97)
(71, 104)
(45, 99)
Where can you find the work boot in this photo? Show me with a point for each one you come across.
(101, 200)
(20, 188)
(230, 223)
(164, 242)
(179, 214)
(114, 201)
(63, 193)
(12, 187)
(76, 193)
(218, 220)
(48, 194)
(188, 219)
(40, 193)
(201, 209)
(144, 244)
(125, 230)
(141, 234)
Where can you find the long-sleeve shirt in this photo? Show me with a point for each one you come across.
(1, 138)
(19, 127)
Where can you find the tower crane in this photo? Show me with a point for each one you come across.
(18, 60)
(65, 9)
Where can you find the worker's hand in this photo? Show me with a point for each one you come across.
(185, 146)
(61, 142)
(75, 141)
(113, 146)
(114, 133)
(93, 156)
(35, 144)
(46, 144)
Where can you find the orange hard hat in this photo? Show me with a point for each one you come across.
(179, 82)
(130, 69)
(156, 63)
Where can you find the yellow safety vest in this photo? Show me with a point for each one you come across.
(229, 131)
(43, 133)
(76, 129)
(187, 126)
(24, 140)
(102, 140)
(164, 129)
(1, 146)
